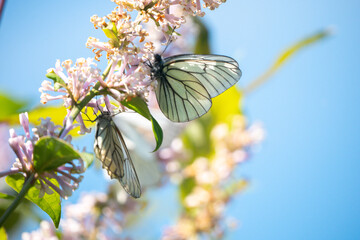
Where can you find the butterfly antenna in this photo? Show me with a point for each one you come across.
(169, 41)
(89, 120)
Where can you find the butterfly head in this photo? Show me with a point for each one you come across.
(105, 115)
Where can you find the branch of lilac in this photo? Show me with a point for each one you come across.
(126, 76)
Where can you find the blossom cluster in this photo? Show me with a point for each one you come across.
(23, 146)
(212, 190)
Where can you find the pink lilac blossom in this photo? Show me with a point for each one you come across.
(79, 80)
(23, 146)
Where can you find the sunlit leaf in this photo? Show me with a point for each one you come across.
(3, 235)
(285, 56)
(10, 106)
(202, 44)
(186, 187)
(226, 105)
(49, 203)
(111, 32)
(6, 196)
(50, 153)
(88, 158)
(56, 113)
(58, 81)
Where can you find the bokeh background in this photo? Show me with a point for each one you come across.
(304, 178)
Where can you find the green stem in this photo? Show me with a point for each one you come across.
(27, 185)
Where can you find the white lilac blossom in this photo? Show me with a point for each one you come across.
(23, 146)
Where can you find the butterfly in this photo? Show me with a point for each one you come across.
(187, 82)
(110, 149)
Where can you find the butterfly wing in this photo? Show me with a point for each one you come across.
(110, 148)
(190, 81)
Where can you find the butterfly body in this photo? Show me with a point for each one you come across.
(110, 149)
(187, 82)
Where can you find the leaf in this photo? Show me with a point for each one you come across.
(186, 187)
(49, 203)
(139, 105)
(9, 106)
(58, 81)
(226, 105)
(285, 56)
(3, 235)
(88, 158)
(235, 187)
(50, 153)
(202, 44)
(57, 114)
(6, 196)
(111, 32)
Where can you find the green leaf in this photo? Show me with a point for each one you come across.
(226, 105)
(3, 235)
(139, 105)
(50, 153)
(6, 196)
(186, 187)
(285, 56)
(57, 114)
(202, 44)
(88, 158)
(10, 106)
(111, 32)
(58, 81)
(49, 203)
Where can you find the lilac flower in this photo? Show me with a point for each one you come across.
(23, 146)
(79, 80)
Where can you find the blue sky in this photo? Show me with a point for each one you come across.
(304, 178)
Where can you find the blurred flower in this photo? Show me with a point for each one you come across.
(46, 232)
(212, 187)
(23, 146)
(95, 216)
(5, 150)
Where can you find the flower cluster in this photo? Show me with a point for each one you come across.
(164, 15)
(77, 81)
(211, 190)
(95, 216)
(23, 146)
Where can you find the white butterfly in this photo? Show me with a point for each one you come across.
(186, 83)
(110, 148)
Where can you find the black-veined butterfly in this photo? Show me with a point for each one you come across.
(110, 149)
(187, 82)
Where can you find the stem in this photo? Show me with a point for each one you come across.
(27, 185)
